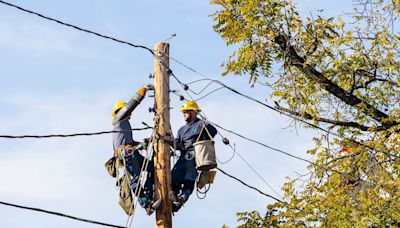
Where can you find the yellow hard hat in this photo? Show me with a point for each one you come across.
(117, 106)
(190, 105)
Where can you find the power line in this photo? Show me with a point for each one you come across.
(266, 105)
(202, 90)
(299, 119)
(175, 60)
(251, 140)
(60, 214)
(188, 67)
(247, 163)
(294, 117)
(213, 91)
(258, 174)
(294, 156)
(273, 108)
(264, 145)
(260, 143)
(254, 188)
(69, 135)
(78, 28)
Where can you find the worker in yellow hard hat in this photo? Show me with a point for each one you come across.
(124, 145)
(184, 172)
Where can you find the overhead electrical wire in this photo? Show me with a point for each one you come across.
(191, 69)
(60, 214)
(279, 111)
(249, 186)
(281, 151)
(185, 87)
(69, 135)
(77, 27)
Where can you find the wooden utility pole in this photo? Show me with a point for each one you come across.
(162, 147)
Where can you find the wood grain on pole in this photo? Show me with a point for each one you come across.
(162, 148)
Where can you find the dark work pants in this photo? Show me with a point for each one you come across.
(134, 164)
(184, 175)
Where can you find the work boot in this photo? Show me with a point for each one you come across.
(177, 200)
(156, 205)
(152, 206)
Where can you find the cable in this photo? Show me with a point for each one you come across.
(215, 90)
(281, 112)
(258, 174)
(184, 65)
(262, 144)
(268, 106)
(254, 188)
(78, 28)
(60, 214)
(247, 163)
(202, 90)
(68, 135)
(233, 152)
(301, 120)
(175, 60)
(195, 81)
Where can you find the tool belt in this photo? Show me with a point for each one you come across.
(188, 155)
(129, 149)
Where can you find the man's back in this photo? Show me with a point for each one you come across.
(122, 138)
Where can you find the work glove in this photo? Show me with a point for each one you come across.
(177, 145)
(120, 154)
(142, 145)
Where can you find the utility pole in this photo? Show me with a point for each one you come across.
(163, 136)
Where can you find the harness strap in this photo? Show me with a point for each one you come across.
(204, 127)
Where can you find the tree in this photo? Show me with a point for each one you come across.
(342, 76)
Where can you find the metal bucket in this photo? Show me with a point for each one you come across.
(204, 153)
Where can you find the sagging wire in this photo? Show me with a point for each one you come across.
(293, 117)
(249, 186)
(196, 81)
(78, 28)
(60, 214)
(70, 135)
(226, 142)
(270, 107)
(289, 115)
(202, 90)
(213, 91)
(204, 117)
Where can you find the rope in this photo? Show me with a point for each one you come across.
(202, 195)
(144, 167)
(68, 135)
(77, 28)
(138, 186)
(60, 214)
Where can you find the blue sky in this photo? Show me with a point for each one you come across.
(58, 80)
